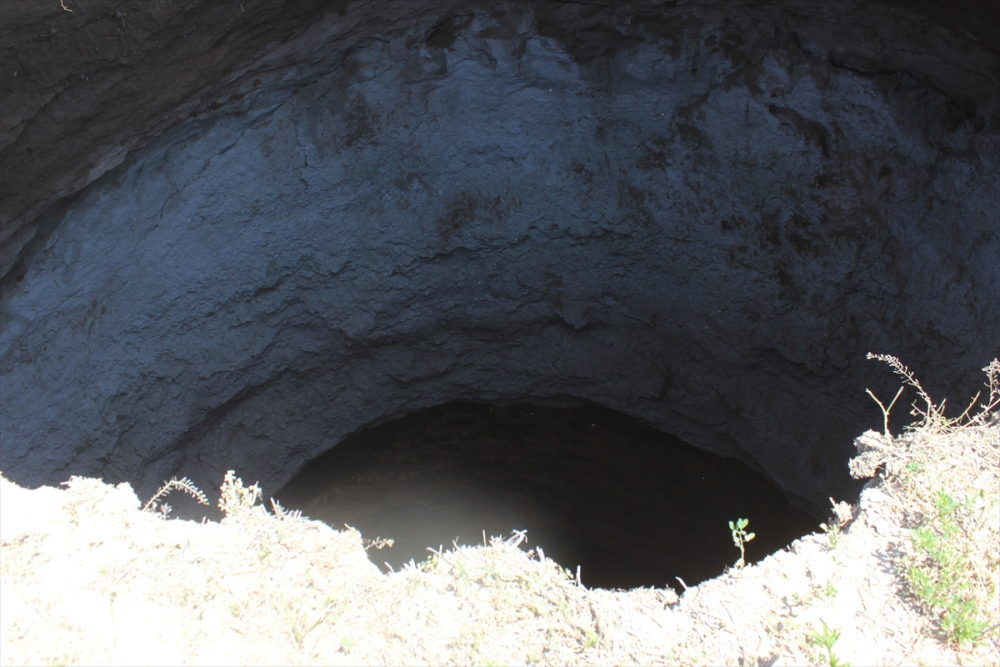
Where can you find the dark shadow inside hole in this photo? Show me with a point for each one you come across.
(631, 505)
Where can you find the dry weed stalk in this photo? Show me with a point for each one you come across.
(944, 474)
(235, 498)
(932, 416)
(183, 484)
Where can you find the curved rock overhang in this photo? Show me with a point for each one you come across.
(234, 233)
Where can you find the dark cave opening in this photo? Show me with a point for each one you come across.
(631, 505)
(230, 250)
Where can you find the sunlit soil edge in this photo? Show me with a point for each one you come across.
(907, 576)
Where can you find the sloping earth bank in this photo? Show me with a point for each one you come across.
(88, 578)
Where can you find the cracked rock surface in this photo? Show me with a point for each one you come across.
(234, 234)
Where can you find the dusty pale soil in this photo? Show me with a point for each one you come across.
(89, 578)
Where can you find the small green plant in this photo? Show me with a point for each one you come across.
(937, 575)
(843, 513)
(591, 639)
(825, 639)
(430, 564)
(740, 538)
(832, 534)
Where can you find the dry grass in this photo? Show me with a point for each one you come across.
(943, 476)
(89, 578)
(948, 495)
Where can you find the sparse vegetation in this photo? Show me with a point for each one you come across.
(236, 499)
(88, 578)
(932, 416)
(832, 534)
(944, 475)
(843, 514)
(937, 568)
(825, 640)
(740, 538)
(378, 543)
(183, 484)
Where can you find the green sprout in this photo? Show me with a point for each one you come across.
(740, 538)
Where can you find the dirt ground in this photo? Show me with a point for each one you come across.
(90, 578)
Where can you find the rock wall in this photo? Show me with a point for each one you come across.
(304, 220)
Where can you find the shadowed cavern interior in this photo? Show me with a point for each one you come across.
(234, 234)
(630, 505)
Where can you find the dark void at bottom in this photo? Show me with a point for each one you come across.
(630, 505)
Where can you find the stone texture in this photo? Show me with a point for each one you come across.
(243, 247)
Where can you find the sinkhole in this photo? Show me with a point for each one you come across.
(630, 505)
(259, 236)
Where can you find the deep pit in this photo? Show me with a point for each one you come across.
(593, 488)
(234, 234)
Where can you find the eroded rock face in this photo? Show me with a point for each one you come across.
(701, 216)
